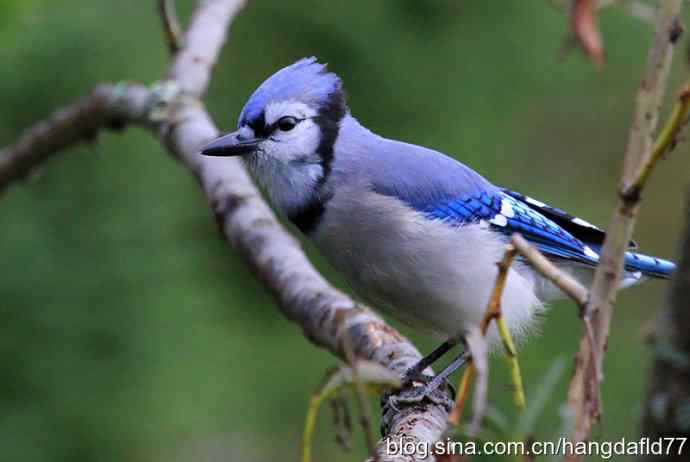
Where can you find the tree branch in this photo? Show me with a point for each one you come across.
(171, 25)
(207, 31)
(666, 141)
(583, 394)
(172, 110)
(106, 106)
(570, 286)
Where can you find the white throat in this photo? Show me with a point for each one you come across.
(287, 164)
(290, 187)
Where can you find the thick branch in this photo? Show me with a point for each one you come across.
(583, 395)
(205, 36)
(303, 295)
(275, 256)
(179, 120)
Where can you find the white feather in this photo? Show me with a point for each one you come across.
(286, 164)
(507, 209)
(534, 202)
(499, 220)
(581, 222)
(278, 109)
(590, 253)
(434, 276)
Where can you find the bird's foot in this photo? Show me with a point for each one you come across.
(434, 389)
(416, 372)
(439, 392)
(414, 375)
(417, 387)
(438, 395)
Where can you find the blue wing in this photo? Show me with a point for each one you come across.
(593, 237)
(584, 231)
(445, 189)
(507, 215)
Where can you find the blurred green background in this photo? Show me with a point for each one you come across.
(130, 332)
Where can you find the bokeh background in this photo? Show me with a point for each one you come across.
(130, 332)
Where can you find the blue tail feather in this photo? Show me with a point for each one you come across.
(648, 265)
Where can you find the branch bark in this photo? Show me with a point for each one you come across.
(173, 112)
(106, 106)
(569, 285)
(171, 25)
(583, 395)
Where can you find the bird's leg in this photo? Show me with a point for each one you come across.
(431, 390)
(415, 373)
(439, 378)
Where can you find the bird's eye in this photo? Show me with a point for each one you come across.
(287, 123)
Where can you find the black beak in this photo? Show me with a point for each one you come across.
(229, 145)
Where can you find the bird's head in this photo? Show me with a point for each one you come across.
(286, 131)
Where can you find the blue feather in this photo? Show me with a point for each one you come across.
(305, 80)
(648, 265)
(506, 214)
(516, 217)
(444, 189)
(549, 237)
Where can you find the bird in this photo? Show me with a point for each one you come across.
(415, 232)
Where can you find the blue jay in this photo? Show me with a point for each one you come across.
(413, 230)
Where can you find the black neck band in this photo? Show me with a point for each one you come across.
(328, 119)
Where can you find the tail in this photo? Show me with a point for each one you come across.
(648, 266)
(638, 268)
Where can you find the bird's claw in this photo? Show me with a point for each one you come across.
(414, 393)
(438, 396)
(412, 376)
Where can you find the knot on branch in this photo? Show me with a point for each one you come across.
(631, 194)
(165, 97)
(116, 98)
(676, 31)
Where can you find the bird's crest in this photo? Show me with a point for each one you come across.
(306, 81)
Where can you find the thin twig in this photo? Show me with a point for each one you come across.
(342, 423)
(479, 351)
(493, 312)
(365, 418)
(583, 395)
(376, 377)
(494, 309)
(666, 141)
(463, 393)
(171, 25)
(569, 285)
(512, 357)
(106, 106)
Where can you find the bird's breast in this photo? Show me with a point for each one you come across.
(431, 275)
